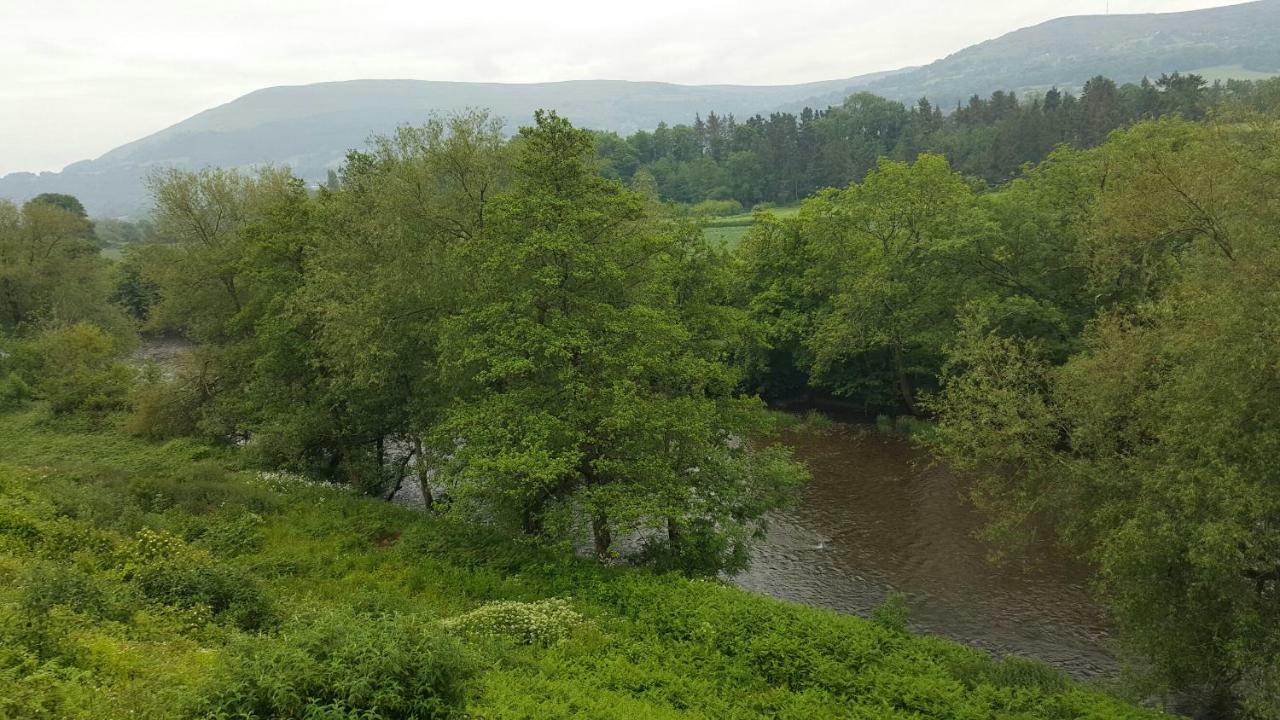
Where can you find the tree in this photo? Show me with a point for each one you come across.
(1151, 449)
(50, 272)
(891, 258)
(228, 264)
(70, 203)
(585, 390)
(392, 261)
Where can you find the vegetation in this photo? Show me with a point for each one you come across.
(157, 580)
(1151, 447)
(557, 359)
(787, 156)
(1095, 343)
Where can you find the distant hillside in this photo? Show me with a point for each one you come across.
(1234, 41)
(310, 127)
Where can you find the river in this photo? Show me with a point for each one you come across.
(879, 517)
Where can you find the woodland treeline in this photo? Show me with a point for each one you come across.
(1095, 341)
(785, 157)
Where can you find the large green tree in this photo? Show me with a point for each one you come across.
(50, 272)
(393, 260)
(586, 390)
(862, 288)
(1152, 449)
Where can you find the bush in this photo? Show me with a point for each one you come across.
(704, 550)
(717, 208)
(14, 391)
(234, 536)
(161, 411)
(171, 402)
(78, 369)
(544, 622)
(814, 421)
(338, 665)
(1010, 671)
(187, 579)
(49, 585)
(893, 614)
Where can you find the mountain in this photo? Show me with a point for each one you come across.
(310, 127)
(1235, 41)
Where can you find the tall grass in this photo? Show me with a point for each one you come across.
(161, 580)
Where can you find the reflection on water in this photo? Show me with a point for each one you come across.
(878, 518)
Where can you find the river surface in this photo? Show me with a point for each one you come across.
(879, 517)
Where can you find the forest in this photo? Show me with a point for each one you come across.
(1079, 296)
(785, 157)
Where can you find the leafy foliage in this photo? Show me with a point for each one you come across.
(1151, 446)
(338, 664)
(367, 587)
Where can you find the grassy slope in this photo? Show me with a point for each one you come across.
(728, 231)
(1230, 72)
(72, 503)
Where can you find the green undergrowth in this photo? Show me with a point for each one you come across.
(149, 580)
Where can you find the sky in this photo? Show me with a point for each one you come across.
(80, 77)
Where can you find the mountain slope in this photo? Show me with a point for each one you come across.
(310, 127)
(1236, 41)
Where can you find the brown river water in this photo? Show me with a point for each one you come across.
(879, 517)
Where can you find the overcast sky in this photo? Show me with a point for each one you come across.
(79, 77)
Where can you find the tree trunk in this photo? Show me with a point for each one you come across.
(904, 385)
(395, 487)
(600, 533)
(673, 534)
(531, 519)
(421, 466)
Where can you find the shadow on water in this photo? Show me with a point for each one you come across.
(878, 518)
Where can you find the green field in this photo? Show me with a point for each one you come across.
(147, 580)
(728, 231)
(1231, 72)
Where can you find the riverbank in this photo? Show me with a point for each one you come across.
(165, 580)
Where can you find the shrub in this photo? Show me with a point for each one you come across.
(338, 665)
(816, 422)
(160, 412)
(892, 614)
(1010, 671)
(49, 585)
(187, 579)
(78, 369)
(233, 536)
(14, 391)
(704, 550)
(172, 401)
(543, 622)
(155, 545)
(717, 208)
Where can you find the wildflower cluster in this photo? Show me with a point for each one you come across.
(151, 545)
(283, 481)
(544, 622)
